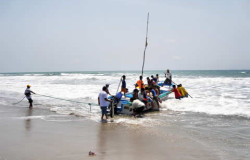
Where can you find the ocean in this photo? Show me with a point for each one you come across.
(217, 116)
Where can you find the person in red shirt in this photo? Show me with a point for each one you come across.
(176, 92)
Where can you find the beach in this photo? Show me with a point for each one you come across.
(24, 135)
(212, 125)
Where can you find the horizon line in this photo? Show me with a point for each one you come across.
(127, 70)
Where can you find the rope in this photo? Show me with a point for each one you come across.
(19, 101)
(67, 100)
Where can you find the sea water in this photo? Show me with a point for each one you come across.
(217, 116)
(213, 92)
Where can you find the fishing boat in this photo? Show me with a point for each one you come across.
(125, 106)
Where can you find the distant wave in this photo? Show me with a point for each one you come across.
(53, 74)
(31, 74)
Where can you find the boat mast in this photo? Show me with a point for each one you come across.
(146, 44)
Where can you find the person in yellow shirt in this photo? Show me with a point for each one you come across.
(140, 83)
(182, 91)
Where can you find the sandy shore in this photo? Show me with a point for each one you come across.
(25, 134)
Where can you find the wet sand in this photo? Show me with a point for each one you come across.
(25, 134)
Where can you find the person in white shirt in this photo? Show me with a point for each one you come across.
(28, 95)
(157, 77)
(168, 80)
(137, 107)
(103, 101)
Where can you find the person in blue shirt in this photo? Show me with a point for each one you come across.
(124, 89)
(117, 99)
(118, 95)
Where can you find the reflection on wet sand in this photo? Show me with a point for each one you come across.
(114, 140)
(102, 139)
(28, 120)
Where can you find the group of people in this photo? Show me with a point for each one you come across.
(143, 94)
(180, 92)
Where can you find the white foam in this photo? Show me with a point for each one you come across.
(218, 95)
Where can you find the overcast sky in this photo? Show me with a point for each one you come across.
(87, 35)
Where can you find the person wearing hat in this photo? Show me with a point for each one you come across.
(103, 102)
(28, 95)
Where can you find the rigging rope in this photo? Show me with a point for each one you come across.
(66, 99)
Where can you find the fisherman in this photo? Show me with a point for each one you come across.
(176, 92)
(117, 99)
(150, 82)
(123, 88)
(144, 98)
(28, 95)
(157, 77)
(156, 88)
(135, 95)
(154, 79)
(140, 83)
(103, 102)
(182, 91)
(168, 80)
(137, 107)
(155, 97)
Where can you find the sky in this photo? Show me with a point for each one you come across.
(109, 35)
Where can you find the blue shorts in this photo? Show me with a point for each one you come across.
(104, 109)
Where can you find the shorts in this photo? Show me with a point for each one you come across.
(123, 90)
(138, 110)
(30, 100)
(104, 109)
(155, 98)
(168, 82)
